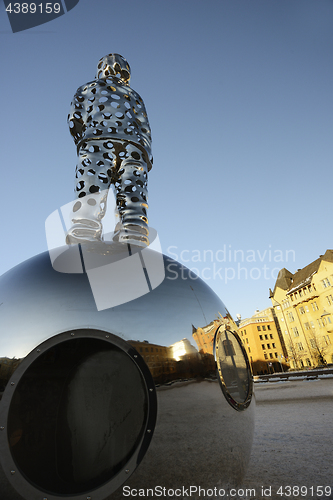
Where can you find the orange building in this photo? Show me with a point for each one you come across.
(263, 341)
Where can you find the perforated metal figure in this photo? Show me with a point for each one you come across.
(110, 127)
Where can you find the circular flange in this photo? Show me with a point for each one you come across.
(234, 371)
(77, 417)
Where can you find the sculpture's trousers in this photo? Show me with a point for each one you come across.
(105, 162)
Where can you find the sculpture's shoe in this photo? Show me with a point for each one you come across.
(132, 237)
(85, 230)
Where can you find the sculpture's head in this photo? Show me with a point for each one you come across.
(114, 65)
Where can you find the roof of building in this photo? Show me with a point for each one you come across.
(283, 281)
(291, 282)
(258, 317)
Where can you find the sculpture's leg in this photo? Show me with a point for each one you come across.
(93, 178)
(132, 197)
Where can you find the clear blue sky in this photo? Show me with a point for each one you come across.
(239, 98)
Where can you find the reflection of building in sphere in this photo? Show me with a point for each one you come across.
(204, 336)
(183, 348)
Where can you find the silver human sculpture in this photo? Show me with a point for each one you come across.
(110, 127)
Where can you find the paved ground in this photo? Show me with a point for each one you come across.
(293, 441)
(292, 451)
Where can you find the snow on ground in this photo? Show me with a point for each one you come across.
(293, 440)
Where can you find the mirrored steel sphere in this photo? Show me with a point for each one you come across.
(155, 391)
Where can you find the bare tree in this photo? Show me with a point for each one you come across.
(295, 354)
(319, 348)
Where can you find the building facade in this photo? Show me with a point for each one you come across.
(263, 341)
(303, 304)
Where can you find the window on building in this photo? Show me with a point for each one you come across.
(258, 328)
(292, 298)
(308, 362)
(310, 288)
(313, 343)
(261, 337)
(307, 326)
(266, 337)
(306, 309)
(329, 319)
(302, 310)
(265, 355)
(268, 346)
(264, 327)
(319, 323)
(247, 341)
(300, 346)
(312, 324)
(326, 282)
(273, 345)
(263, 346)
(271, 355)
(276, 355)
(300, 293)
(244, 332)
(314, 306)
(271, 336)
(296, 332)
(305, 291)
(249, 348)
(291, 317)
(268, 327)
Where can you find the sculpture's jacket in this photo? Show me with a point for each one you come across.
(109, 109)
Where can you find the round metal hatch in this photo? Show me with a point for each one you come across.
(233, 369)
(81, 415)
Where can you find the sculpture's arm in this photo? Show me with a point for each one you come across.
(142, 122)
(76, 116)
